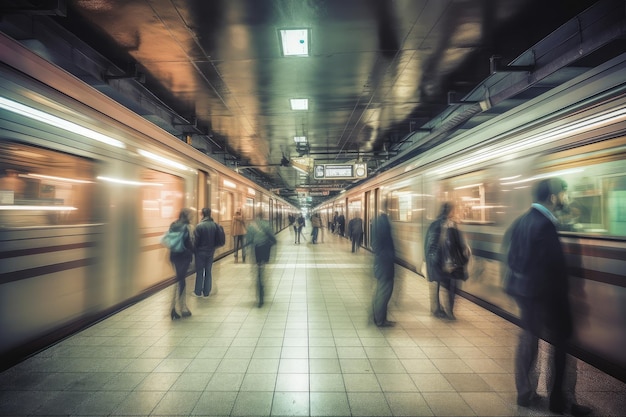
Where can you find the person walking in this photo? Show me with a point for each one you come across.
(260, 237)
(446, 255)
(180, 261)
(538, 281)
(298, 226)
(384, 259)
(205, 238)
(355, 232)
(316, 224)
(238, 231)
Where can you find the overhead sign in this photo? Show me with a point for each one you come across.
(339, 171)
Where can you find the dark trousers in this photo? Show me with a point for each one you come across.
(384, 273)
(181, 262)
(204, 278)
(262, 255)
(357, 238)
(532, 318)
(239, 243)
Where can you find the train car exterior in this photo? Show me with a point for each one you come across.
(576, 132)
(87, 189)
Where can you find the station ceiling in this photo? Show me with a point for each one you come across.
(384, 79)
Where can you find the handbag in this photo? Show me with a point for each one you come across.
(174, 240)
(454, 256)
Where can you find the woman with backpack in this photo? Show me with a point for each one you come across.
(446, 256)
(181, 256)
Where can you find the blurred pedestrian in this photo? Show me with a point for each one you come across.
(260, 237)
(341, 225)
(384, 259)
(238, 231)
(446, 255)
(316, 224)
(181, 259)
(298, 226)
(205, 244)
(538, 281)
(355, 232)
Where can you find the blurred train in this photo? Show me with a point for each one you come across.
(577, 132)
(87, 188)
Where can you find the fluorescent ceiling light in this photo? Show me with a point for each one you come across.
(51, 120)
(295, 42)
(38, 208)
(161, 159)
(299, 103)
(129, 182)
(299, 139)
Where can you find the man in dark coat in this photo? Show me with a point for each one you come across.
(538, 280)
(205, 250)
(355, 232)
(384, 258)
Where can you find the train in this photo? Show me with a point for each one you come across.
(576, 132)
(87, 189)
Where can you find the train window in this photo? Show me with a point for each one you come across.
(473, 198)
(404, 205)
(597, 200)
(161, 198)
(41, 187)
(226, 206)
(354, 209)
(248, 209)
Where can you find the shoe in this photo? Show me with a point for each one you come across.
(528, 400)
(387, 323)
(450, 316)
(440, 314)
(196, 295)
(578, 410)
(557, 405)
(186, 313)
(175, 315)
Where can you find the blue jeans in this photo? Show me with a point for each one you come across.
(204, 279)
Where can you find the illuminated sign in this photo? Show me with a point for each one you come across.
(339, 171)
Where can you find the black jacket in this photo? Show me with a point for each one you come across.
(536, 257)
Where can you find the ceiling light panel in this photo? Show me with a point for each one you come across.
(294, 42)
(299, 103)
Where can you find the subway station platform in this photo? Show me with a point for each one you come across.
(311, 350)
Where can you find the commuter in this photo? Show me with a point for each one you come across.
(238, 231)
(205, 238)
(181, 261)
(333, 226)
(537, 279)
(384, 258)
(298, 225)
(341, 225)
(316, 224)
(446, 256)
(355, 232)
(261, 237)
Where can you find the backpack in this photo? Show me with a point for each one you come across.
(174, 240)
(454, 256)
(220, 236)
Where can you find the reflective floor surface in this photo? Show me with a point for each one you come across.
(310, 350)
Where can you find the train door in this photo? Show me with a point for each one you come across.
(271, 214)
(372, 210)
(366, 220)
(204, 190)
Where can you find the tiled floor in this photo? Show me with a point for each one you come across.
(310, 350)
